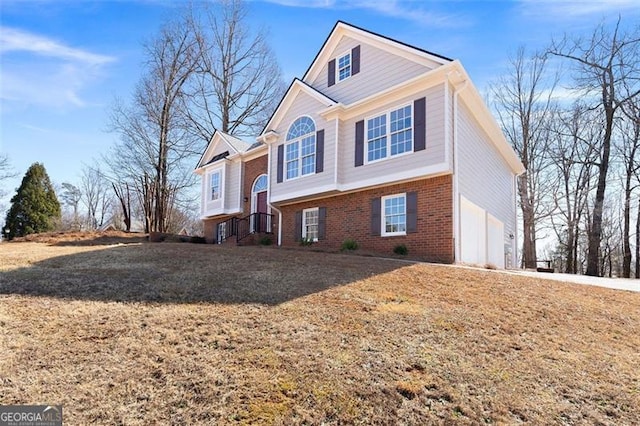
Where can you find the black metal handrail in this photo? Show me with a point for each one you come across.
(226, 229)
(255, 223)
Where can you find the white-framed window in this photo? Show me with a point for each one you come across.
(310, 224)
(300, 149)
(390, 134)
(394, 215)
(215, 185)
(344, 67)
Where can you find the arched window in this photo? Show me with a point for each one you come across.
(260, 184)
(300, 150)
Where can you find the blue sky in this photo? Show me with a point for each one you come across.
(62, 62)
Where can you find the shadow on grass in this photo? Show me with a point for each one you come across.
(189, 273)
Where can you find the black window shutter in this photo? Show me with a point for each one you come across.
(359, 143)
(280, 163)
(297, 234)
(419, 128)
(322, 222)
(319, 151)
(331, 77)
(355, 60)
(412, 212)
(376, 223)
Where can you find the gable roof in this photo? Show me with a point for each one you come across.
(342, 29)
(236, 146)
(295, 87)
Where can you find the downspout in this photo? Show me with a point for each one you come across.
(456, 194)
(271, 206)
(335, 171)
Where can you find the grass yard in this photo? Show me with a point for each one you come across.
(171, 333)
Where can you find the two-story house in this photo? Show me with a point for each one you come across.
(379, 142)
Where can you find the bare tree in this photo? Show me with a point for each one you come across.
(573, 152)
(5, 171)
(238, 81)
(629, 149)
(96, 196)
(606, 68)
(155, 141)
(71, 196)
(123, 194)
(522, 99)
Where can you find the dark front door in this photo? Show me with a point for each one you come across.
(262, 223)
(261, 202)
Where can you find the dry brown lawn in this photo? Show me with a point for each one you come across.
(174, 333)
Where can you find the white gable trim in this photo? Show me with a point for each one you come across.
(327, 52)
(215, 140)
(296, 87)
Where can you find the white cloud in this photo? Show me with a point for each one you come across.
(44, 72)
(408, 10)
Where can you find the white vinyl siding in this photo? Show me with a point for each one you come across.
(379, 70)
(432, 155)
(303, 105)
(229, 192)
(484, 178)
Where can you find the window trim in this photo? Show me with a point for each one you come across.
(337, 59)
(217, 171)
(388, 134)
(300, 156)
(304, 223)
(383, 215)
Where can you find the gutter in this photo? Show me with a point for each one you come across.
(271, 206)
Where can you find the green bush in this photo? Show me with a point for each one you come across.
(265, 241)
(401, 249)
(349, 244)
(198, 240)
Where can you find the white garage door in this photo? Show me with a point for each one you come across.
(472, 233)
(495, 241)
(481, 236)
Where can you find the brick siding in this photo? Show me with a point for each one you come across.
(349, 216)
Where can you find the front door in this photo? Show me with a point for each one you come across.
(261, 202)
(261, 207)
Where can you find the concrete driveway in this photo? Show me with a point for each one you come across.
(615, 283)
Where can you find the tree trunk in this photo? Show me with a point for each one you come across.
(626, 246)
(595, 235)
(638, 242)
(529, 257)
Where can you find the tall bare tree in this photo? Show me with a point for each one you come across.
(629, 150)
(522, 100)
(96, 195)
(606, 67)
(71, 196)
(154, 137)
(238, 82)
(5, 172)
(573, 152)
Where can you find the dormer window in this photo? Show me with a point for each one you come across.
(344, 67)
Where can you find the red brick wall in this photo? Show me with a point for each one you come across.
(349, 216)
(252, 169)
